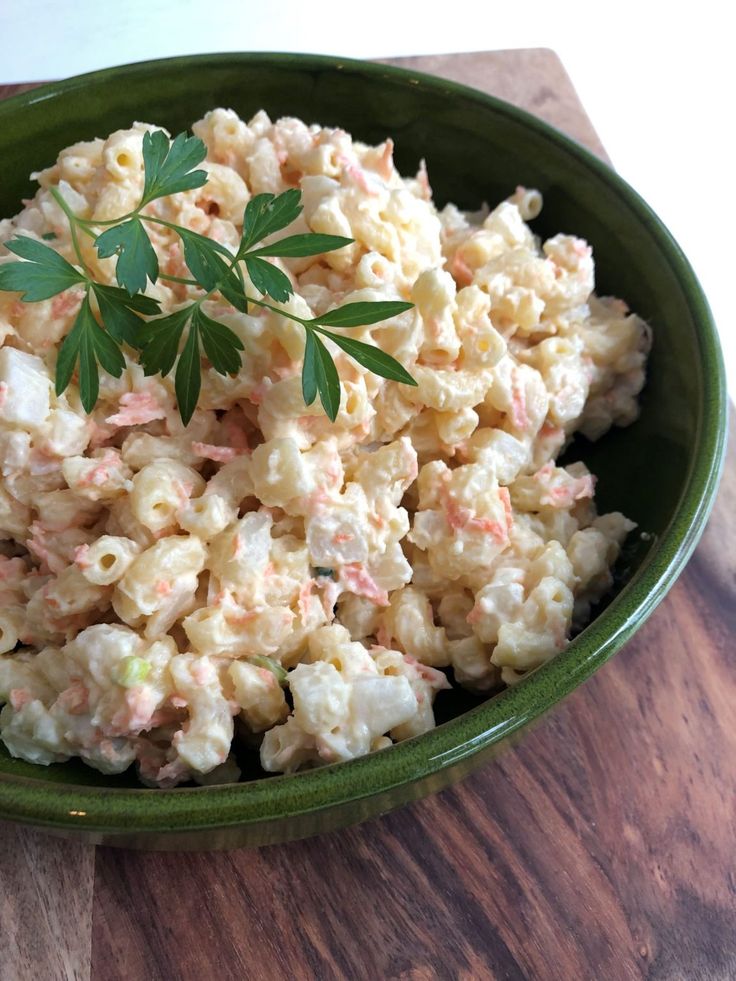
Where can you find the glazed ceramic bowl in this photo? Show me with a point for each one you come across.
(662, 471)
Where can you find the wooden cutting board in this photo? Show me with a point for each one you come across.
(603, 846)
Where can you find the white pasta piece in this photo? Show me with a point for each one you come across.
(207, 516)
(19, 673)
(260, 697)
(15, 449)
(160, 491)
(62, 510)
(286, 748)
(541, 630)
(361, 617)
(333, 645)
(615, 526)
(70, 594)
(434, 297)
(228, 138)
(553, 487)
(559, 361)
(65, 433)
(25, 389)
(106, 560)
(226, 190)
(409, 621)
(232, 481)
(116, 199)
(279, 473)
(122, 156)
(98, 478)
(498, 602)
(552, 561)
(15, 518)
(31, 734)
(498, 452)
(123, 523)
(160, 583)
(337, 533)
(528, 201)
(78, 163)
(519, 392)
(448, 389)
(205, 741)
(573, 263)
(321, 697)
(425, 682)
(455, 428)
(452, 612)
(388, 471)
(140, 449)
(239, 556)
(482, 344)
(374, 271)
(12, 619)
(390, 570)
(231, 631)
(472, 665)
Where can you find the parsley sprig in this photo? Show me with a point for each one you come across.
(111, 317)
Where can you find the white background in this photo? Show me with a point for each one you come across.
(657, 79)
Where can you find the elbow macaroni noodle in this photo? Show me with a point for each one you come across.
(147, 569)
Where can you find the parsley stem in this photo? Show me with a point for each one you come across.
(179, 279)
(283, 313)
(160, 221)
(103, 222)
(88, 232)
(57, 196)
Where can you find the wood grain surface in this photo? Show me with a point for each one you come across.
(602, 846)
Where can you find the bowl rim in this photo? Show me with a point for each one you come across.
(83, 808)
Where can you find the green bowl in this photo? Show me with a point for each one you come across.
(662, 471)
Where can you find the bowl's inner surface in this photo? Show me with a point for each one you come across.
(475, 152)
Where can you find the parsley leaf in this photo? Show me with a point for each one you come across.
(362, 314)
(309, 369)
(269, 279)
(235, 295)
(372, 358)
(319, 374)
(204, 257)
(137, 259)
(221, 345)
(43, 275)
(188, 378)
(168, 166)
(88, 343)
(119, 312)
(162, 345)
(67, 356)
(208, 262)
(311, 243)
(266, 214)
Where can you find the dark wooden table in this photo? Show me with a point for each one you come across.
(602, 847)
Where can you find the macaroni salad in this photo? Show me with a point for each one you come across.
(154, 577)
